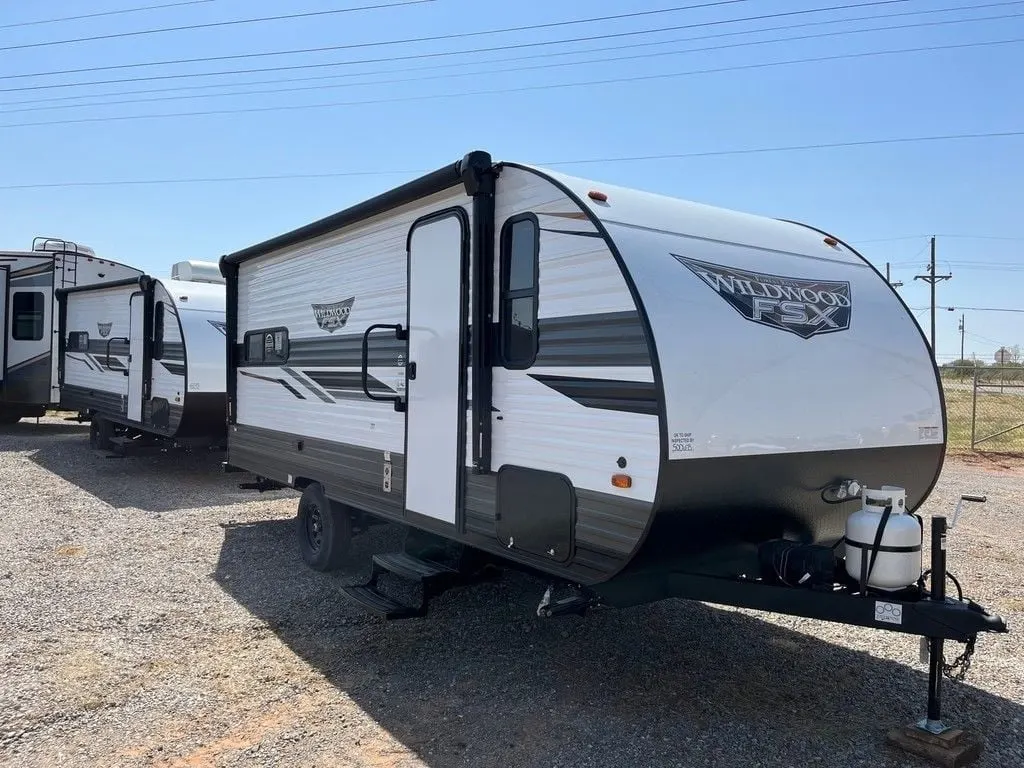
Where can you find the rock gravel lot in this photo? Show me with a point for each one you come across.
(153, 614)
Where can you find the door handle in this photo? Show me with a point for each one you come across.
(411, 370)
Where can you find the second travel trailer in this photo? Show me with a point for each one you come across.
(29, 337)
(143, 359)
(635, 396)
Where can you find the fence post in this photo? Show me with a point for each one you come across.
(974, 408)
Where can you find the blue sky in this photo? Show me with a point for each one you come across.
(965, 191)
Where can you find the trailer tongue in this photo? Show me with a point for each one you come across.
(813, 582)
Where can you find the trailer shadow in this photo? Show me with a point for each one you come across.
(483, 681)
(159, 482)
(42, 429)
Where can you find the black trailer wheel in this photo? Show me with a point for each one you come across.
(324, 530)
(9, 417)
(100, 432)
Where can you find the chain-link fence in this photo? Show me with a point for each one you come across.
(985, 409)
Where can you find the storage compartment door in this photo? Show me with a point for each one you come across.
(435, 397)
(136, 356)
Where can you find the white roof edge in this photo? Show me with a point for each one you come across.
(668, 213)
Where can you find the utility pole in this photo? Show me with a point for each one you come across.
(962, 331)
(931, 278)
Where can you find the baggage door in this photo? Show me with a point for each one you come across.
(136, 355)
(435, 390)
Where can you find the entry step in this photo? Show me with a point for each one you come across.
(379, 603)
(409, 567)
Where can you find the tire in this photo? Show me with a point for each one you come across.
(100, 432)
(324, 530)
(9, 418)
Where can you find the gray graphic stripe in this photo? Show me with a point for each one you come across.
(347, 381)
(311, 386)
(82, 359)
(30, 361)
(599, 339)
(175, 369)
(274, 380)
(606, 394)
(571, 232)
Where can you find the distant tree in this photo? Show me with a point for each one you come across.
(1015, 353)
(961, 369)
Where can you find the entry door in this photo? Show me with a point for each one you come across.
(136, 354)
(435, 396)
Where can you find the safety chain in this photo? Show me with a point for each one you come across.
(961, 664)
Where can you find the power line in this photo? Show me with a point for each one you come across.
(211, 24)
(434, 38)
(985, 309)
(545, 55)
(517, 89)
(552, 163)
(983, 338)
(920, 237)
(797, 147)
(973, 309)
(479, 73)
(984, 237)
(103, 13)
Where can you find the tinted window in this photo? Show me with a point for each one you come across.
(522, 271)
(519, 291)
(27, 316)
(158, 330)
(521, 338)
(254, 351)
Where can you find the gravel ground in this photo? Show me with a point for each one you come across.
(154, 614)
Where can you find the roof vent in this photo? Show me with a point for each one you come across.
(197, 272)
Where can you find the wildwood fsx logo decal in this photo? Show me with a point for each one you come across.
(104, 329)
(794, 304)
(331, 317)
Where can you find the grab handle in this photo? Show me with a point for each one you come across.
(126, 340)
(400, 334)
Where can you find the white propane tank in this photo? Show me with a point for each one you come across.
(898, 562)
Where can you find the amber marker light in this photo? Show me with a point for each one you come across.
(601, 197)
(622, 481)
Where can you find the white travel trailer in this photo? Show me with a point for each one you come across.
(637, 396)
(143, 358)
(28, 279)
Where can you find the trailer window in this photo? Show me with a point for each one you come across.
(27, 316)
(266, 347)
(158, 330)
(520, 253)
